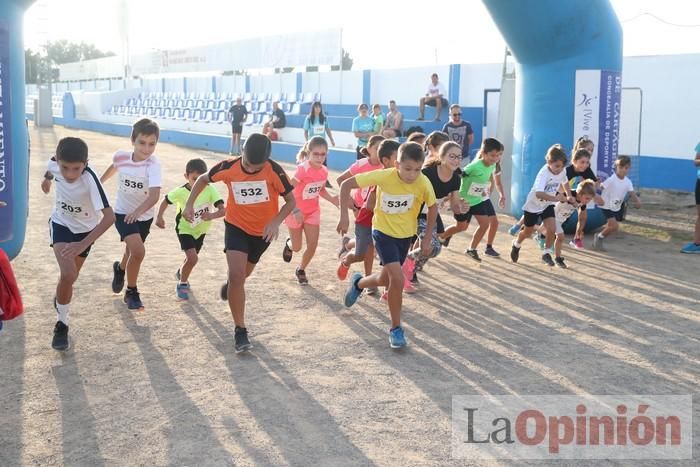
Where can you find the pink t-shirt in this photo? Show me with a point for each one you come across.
(311, 181)
(358, 167)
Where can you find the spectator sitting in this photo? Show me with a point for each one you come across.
(277, 119)
(392, 124)
(434, 97)
(378, 118)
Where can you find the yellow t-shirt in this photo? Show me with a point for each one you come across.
(398, 202)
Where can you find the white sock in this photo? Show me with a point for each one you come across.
(516, 244)
(62, 313)
(601, 236)
(547, 251)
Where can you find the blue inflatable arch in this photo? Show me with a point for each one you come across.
(14, 163)
(551, 40)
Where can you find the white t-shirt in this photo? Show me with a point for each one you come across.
(134, 181)
(437, 89)
(549, 183)
(78, 204)
(615, 189)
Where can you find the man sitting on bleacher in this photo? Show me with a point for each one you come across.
(277, 120)
(435, 96)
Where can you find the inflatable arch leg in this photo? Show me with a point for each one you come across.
(14, 163)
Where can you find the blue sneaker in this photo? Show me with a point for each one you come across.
(514, 230)
(691, 248)
(353, 292)
(397, 339)
(540, 239)
(183, 291)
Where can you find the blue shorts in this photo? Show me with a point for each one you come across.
(617, 215)
(363, 239)
(390, 249)
(62, 234)
(142, 228)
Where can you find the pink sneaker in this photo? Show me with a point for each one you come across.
(577, 243)
(385, 296)
(342, 270)
(409, 288)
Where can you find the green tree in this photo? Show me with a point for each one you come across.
(62, 51)
(37, 66)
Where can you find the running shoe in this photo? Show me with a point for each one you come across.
(60, 337)
(240, 340)
(397, 339)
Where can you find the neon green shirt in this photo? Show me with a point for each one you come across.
(207, 200)
(476, 180)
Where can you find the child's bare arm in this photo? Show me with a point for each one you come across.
(111, 170)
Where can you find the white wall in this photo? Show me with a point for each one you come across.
(671, 94)
(231, 84)
(331, 86)
(174, 84)
(288, 83)
(199, 84)
(405, 85)
(117, 84)
(152, 85)
(352, 88)
(473, 79)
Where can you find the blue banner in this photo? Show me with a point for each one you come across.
(608, 122)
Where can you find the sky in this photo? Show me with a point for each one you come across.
(389, 35)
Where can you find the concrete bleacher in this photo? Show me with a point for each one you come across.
(207, 112)
(213, 108)
(209, 107)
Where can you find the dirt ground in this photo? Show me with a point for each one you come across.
(321, 386)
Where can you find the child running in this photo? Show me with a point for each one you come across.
(539, 204)
(80, 216)
(578, 171)
(191, 235)
(584, 194)
(477, 179)
(368, 162)
(432, 145)
(400, 193)
(137, 193)
(615, 189)
(444, 175)
(361, 247)
(309, 182)
(254, 183)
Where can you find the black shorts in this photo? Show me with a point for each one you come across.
(187, 242)
(485, 208)
(236, 128)
(142, 228)
(358, 152)
(61, 234)
(533, 218)
(617, 215)
(697, 192)
(236, 239)
(277, 125)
